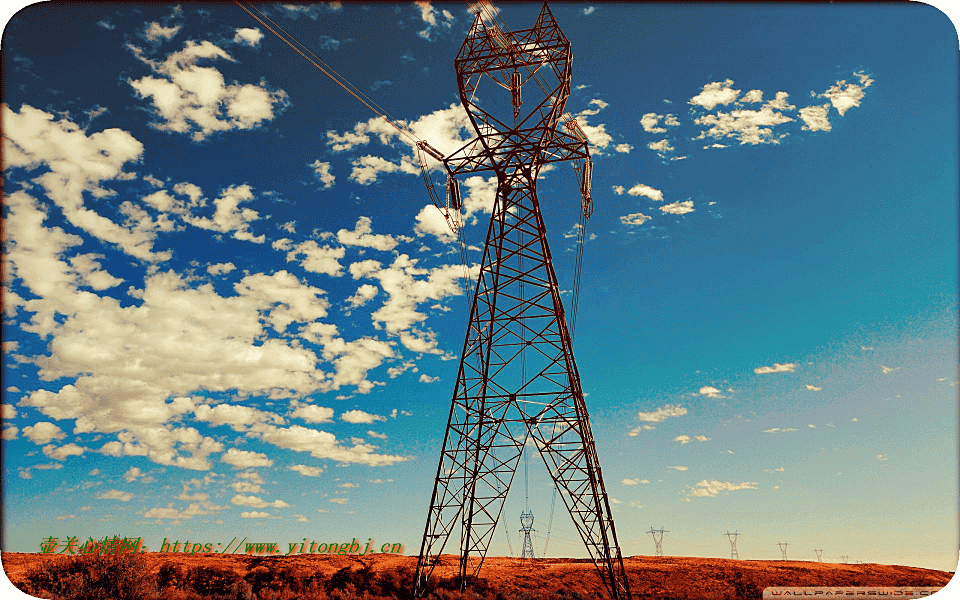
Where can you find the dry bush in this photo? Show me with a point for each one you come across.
(93, 577)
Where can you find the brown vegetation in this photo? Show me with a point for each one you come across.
(155, 576)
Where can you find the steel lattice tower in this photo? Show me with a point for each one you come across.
(733, 545)
(658, 541)
(526, 526)
(783, 549)
(517, 375)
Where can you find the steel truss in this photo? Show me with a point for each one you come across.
(517, 376)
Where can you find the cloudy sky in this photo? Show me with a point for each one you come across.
(230, 309)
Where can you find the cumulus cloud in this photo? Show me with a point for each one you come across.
(359, 416)
(634, 219)
(433, 19)
(307, 471)
(776, 368)
(815, 118)
(747, 126)
(321, 170)
(155, 31)
(813, 388)
(116, 495)
(714, 94)
(195, 100)
(324, 445)
(255, 502)
(678, 468)
(663, 413)
(646, 191)
(712, 488)
(248, 36)
(683, 439)
(43, 433)
(243, 459)
(363, 237)
(844, 96)
(710, 392)
(678, 208)
(77, 163)
(313, 414)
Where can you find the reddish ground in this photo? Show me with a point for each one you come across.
(668, 576)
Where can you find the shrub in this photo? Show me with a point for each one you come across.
(93, 577)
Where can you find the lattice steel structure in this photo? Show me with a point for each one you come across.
(783, 549)
(517, 375)
(658, 539)
(526, 526)
(733, 545)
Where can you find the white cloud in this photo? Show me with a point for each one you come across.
(679, 468)
(883, 369)
(62, 452)
(132, 474)
(642, 189)
(323, 445)
(363, 237)
(813, 388)
(339, 500)
(406, 290)
(683, 439)
(634, 219)
(747, 126)
(678, 208)
(255, 502)
(228, 216)
(359, 416)
(245, 486)
(661, 147)
(364, 294)
(115, 495)
(318, 259)
(78, 163)
(636, 431)
(43, 433)
(779, 430)
(321, 170)
(248, 36)
(313, 414)
(712, 488)
(255, 514)
(661, 414)
(715, 93)
(307, 471)
(815, 118)
(589, 10)
(751, 97)
(429, 16)
(220, 268)
(649, 122)
(702, 438)
(625, 148)
(188, 98)
(710, 392)
(424, 378)
(236, 416)
(243, 459)
(776, 368)
(845, 96)
(10, 431)
(155, 31)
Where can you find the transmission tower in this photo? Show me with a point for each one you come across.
(517, 323)
(526, 526)
(844, 558)
(783, 549)
(733, 545)
(819, 554)
(658, 541)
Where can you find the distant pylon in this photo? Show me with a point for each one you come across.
(733, 545)
(658, 540)
(819, 554)
(783, 549)
(844, 558)
(526, 525)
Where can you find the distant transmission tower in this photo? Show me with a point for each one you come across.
(783, 549)
(517, 322)
(658, 540)
(819, 554)
(526, 524)
(733, 545)
(844, 558)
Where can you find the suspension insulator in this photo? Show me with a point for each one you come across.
(453, 193)
(515, 89)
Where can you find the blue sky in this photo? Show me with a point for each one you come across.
(231, 311)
